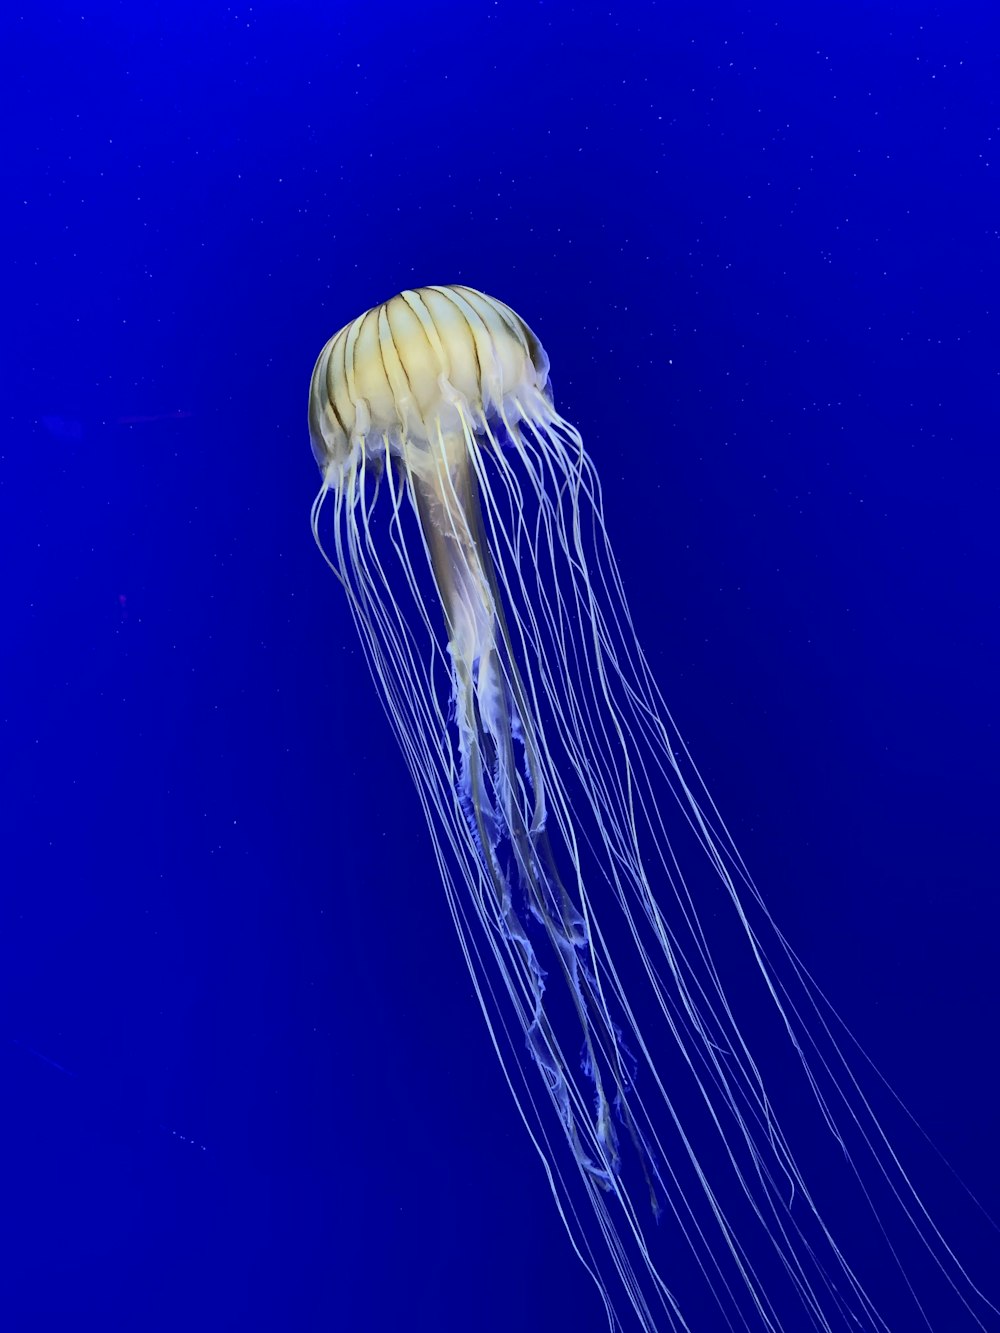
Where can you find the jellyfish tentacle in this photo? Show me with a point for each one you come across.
(536, 721)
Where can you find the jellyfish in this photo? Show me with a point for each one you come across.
(669, 1053)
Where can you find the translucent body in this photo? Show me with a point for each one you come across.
(594, 887)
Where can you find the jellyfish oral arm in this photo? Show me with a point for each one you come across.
(445, 495)
(504, 806)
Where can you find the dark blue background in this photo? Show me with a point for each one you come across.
(246, 1083)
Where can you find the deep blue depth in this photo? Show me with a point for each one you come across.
(245, 1082)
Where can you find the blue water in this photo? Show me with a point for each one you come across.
(246, 1084)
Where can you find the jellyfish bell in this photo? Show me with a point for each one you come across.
(427, 365)
(594, 887)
